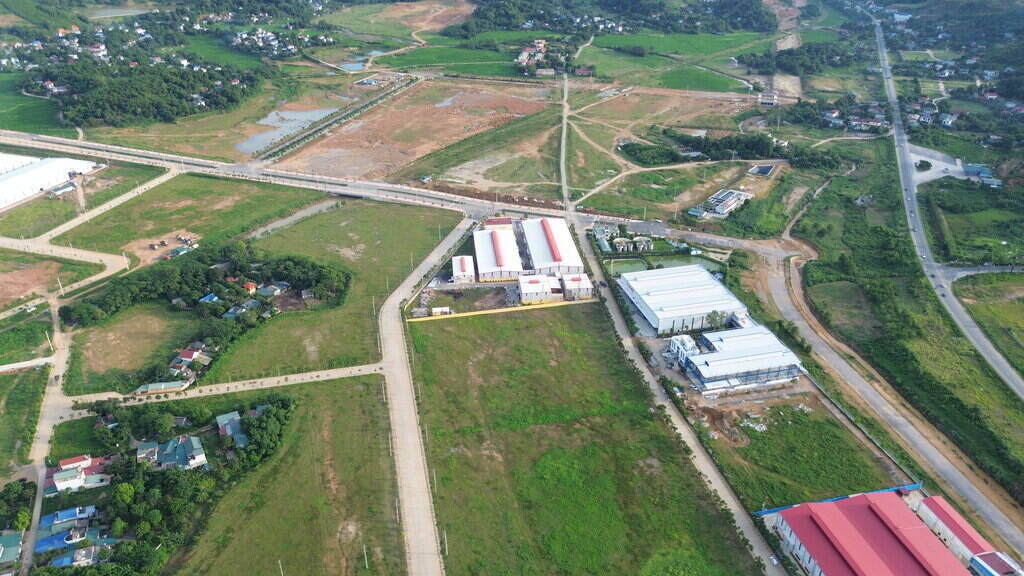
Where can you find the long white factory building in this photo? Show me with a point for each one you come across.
(22, 177)
(497, 255)
(550, 246)
(680, 299)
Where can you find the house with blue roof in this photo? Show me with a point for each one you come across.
(182, 452)
(230, 424)
(67, 515)
(209, 298)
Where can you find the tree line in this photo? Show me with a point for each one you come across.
(808, 59)
(672, 144)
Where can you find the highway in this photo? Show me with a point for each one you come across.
(937, 274)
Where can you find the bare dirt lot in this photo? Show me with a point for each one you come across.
(24, 280)
(425, 118)
(632, 113)
(141, 248)
(431, 16)
(128, 342)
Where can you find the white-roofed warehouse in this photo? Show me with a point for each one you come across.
(679, 299)
(551, 248)
(497, 255)
(740, 359)
(22, 177)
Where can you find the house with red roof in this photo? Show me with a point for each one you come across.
(961, 538)
(75, 462)
(863, 535)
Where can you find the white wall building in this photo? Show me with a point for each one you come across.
(22, 177)
(551, 247)
(955, 532)
(463, 270)
(679, 299)
(540, 288)
(577, 287)
(497, 255)
(739, 359)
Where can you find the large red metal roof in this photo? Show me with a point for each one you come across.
(956, 524)
(870, 535)
(549, 235)
(499, 258)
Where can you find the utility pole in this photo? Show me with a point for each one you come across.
(49, 342)
(60, 285)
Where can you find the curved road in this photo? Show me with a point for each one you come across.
(934, 271)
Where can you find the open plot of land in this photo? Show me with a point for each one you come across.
(682, 44)
(214, 208)
(633, 113)
(332, 480)
(27, 113)
(23, 274)
(23, 335)
(784, 452)
(426, 118)
(655, 71)
(588, 165)
(223, 135)
(21, 395)
(548, 459)
(376, 243)
(996, 302)
(664, 193)
(401, 19)
(969, 222)
(839, 81)
(110, 355)
(44, 213)
(216, 50)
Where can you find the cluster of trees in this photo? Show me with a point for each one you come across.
(651, 154)
(118, 94)
(809, 112)
(661, 15)
(16, 505)
(805, 60)
(205, 270)
(159, 511)
(733, 147)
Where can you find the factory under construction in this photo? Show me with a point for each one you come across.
(728, 351)
(538, 256)
(23, 177)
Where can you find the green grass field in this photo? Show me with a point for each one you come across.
(548, 459)
(654, 70)
(25, 113)
(110, 356)
(995, 302)
(21, 395)
(818, 36)
(47, 17)
(332, 479)
(43, 214)
(967, 222)
(443, 56)
(373, 241)
(681, 44)
(214, 208)
(74, 437)
(23, 335)
(588, 165)
(803, 456)
(215, 50)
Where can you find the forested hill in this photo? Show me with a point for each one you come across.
(588, 16)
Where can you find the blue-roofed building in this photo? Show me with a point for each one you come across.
(183, 452)
(230, 424)
(209, 298)
(67, 515)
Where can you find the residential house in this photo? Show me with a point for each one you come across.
(230, 424)
(182, 452)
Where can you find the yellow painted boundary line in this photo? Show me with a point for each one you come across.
(525, 308)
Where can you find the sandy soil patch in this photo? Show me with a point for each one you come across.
(425, 118)
(430, 16)
(650, 106)
(10, 20)
(759, 186)
(700, 192)
(788, 14)
(787, 85)
(23, 280)
(146, 255)
(473, 172)
(788, 42)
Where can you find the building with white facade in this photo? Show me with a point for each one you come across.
(577, 287)
(497, 255)
(736, 360)
(539, 289)
(463, 270)
(551, 247)
(955, 532)
(22, 177)
(994, 564)
(681, 299)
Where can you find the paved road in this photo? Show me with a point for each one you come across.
(34, 363)
(419, 527)
(932, 269)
